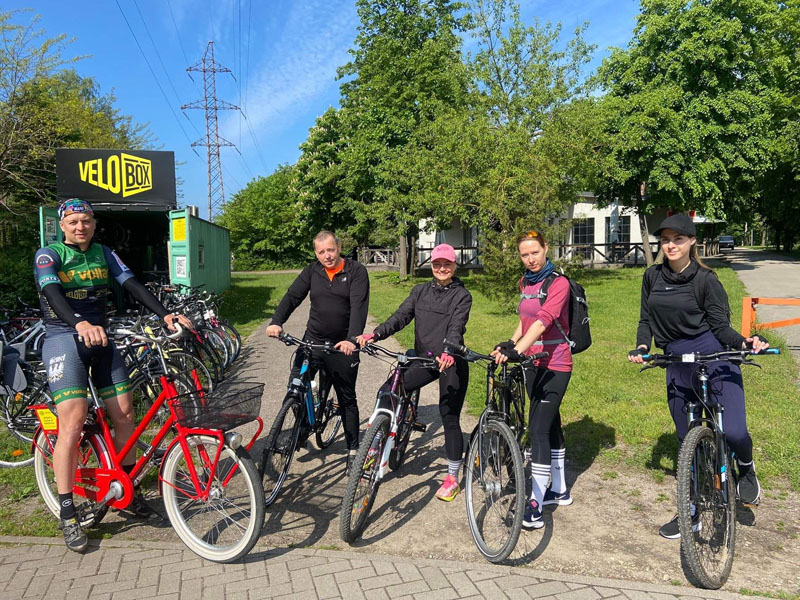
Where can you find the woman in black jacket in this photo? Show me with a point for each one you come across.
(684, 309)
(440, 310)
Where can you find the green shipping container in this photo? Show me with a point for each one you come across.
(199, 252)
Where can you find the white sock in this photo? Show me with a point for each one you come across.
(559, 483)
(453, 466)
(540, 474)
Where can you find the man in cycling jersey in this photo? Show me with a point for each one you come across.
(73, 278)
(339, 289)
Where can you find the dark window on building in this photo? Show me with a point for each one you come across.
(583, 233)
(623, 229)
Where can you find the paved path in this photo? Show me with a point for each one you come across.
(770, 275)
(40, 568)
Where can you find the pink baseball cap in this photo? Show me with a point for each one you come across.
(445, 251)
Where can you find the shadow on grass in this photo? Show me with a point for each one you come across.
(585, 439)
(664, 455)
(252, 299)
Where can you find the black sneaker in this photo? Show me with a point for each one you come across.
(351, 458)
(671, 530)
(74, 536)
(748, 488)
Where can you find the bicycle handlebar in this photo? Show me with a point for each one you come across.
(400, 357)
(735, 356)
(154, 340)
(472, 356)
(290, 340)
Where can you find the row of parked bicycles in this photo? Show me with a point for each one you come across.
(215, 495)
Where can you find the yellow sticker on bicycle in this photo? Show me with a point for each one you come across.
(48, 420)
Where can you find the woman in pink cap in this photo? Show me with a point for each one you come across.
(440, 310)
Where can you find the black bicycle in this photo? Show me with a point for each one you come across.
(310, 406)
(384, 444)
(706, 476)
(495, 486)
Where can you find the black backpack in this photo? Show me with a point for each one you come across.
(580, 337)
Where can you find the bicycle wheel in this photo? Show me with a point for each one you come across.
(364, 481)
(234, 337)
(225, 525)
(495, 490)
(92, 454)
(208, 357)
(185, 362)
(215, 341)
(709, 550)
(398, 453)
(19, 423)
(329, 419)
(280, 448)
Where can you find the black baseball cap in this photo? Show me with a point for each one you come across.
(678, 223)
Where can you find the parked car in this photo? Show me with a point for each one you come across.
(726, 242)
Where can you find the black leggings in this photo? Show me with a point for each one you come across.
(452, 390)
(343, 371)
(546, 390)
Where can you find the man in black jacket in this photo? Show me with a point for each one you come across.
(339, 289)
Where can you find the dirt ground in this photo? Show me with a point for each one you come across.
(611, 530)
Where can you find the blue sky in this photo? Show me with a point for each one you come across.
(283, 53)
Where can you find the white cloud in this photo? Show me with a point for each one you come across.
(298, 64)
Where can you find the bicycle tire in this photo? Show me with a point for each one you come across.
(398, 454)
(226, 525)
(20, 425)
(492, 456)
(185, 362)
(93, 453)
(280, 448)
(207, 356)
(363, 483)
(234, 336)
(215, 341)
(329, 419)
(230, 342)
(709, 552)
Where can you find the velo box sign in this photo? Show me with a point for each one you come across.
(124, 176)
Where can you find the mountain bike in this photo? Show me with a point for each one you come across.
(494, 470)
(310, 406)
(211, 488)
(706, 473)
(384, 443)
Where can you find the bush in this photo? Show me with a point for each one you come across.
(16, 275)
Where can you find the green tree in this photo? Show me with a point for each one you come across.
(687, 112)
(267, 225)
(43, 106)
(406, 66)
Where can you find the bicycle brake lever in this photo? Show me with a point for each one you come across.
(646, 367)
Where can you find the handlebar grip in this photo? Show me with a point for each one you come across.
(455, 348)
(771, 351)
(538, 355)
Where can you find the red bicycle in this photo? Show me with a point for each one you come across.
(211, 488)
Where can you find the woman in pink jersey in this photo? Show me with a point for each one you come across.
(543, 326)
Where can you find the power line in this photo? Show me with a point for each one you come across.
(153, 73)
(158, 54)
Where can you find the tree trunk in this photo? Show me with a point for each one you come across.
(648, 253)
(764, 237)
(403, 257)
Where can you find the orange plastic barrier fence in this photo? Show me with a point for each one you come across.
(749, 313)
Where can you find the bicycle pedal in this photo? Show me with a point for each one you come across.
(417, 426)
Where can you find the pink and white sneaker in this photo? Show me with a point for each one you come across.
(449, 489)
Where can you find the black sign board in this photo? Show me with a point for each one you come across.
(117, 179)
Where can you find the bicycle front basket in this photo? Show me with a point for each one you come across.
(228, 406)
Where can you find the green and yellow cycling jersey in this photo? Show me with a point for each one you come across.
(84, 276)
